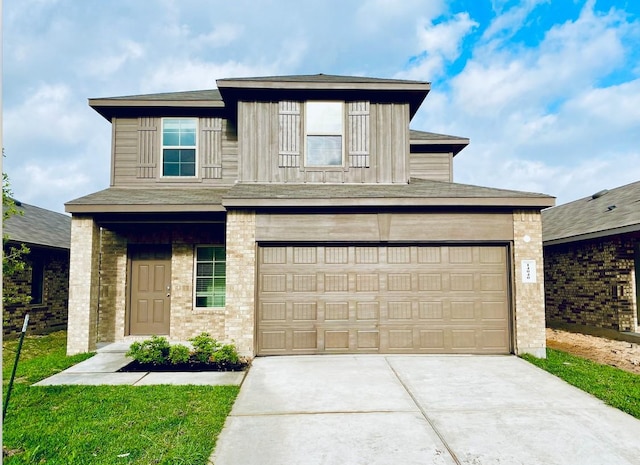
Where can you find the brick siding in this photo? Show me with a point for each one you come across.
(529, 297)
(51, 314)
(592, 283)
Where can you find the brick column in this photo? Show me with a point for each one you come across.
(83, 285)
(241, 279)
(529, 296)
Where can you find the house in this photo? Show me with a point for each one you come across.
(592, 261)
(45, 280)
(301, 215)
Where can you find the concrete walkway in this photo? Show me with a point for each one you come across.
(474, 410)
(103, 368)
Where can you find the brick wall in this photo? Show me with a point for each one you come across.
(528, 296)
(51, 314)
(241, 278)
(83, 285)
(592, 283)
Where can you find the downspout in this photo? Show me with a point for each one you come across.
(99, 284)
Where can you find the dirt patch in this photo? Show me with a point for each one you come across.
(619, 354)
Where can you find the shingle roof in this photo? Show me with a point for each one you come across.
(418, 192)
(193, 95)
(37, 226)
(120, 199)
(322, 78)
(605, 213)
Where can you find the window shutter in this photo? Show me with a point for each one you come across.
(358, 134)
(147, 147)
(211, 147)
(290, 134)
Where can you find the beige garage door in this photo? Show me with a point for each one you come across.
(382, 299)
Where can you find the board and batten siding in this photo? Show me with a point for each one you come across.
(271, 144)
(137, 149)
(432, 166)
(391, 227)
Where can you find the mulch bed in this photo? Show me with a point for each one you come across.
(188, 367)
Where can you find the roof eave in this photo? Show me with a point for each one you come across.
(141, 208)
(534, 202)
(109, 108)
(593, 235)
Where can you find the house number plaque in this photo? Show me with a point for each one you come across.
(529, 271)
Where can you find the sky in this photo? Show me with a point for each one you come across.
(548, 91)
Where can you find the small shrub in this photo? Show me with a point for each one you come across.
(154, 350)
(179, 354)
(204, 346)
(227, 354)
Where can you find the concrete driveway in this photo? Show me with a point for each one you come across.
(370, 409)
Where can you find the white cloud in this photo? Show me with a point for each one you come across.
(220, 36)
(105, 66)
(48, 113)
(438, 44)
(507, 23)
(195, 74)
(374, 16)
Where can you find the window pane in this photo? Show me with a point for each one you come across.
(324, 118)
(324, 150)
(171, 156)
(205, 253)
(171, 169)
(210, 283)
(188, 169)
(188, 137)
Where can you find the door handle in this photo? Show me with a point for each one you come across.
(168, 291)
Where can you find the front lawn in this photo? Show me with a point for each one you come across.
(105, 424)
(616, 387)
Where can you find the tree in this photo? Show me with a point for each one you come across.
(12, 257)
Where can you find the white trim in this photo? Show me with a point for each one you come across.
(195, 148)
(195, 276)
(342, 135)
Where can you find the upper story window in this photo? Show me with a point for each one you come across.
(179, 146)
(324, 134)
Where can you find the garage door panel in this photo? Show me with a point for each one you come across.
(388, 299)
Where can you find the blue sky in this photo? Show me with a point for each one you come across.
(548, 92)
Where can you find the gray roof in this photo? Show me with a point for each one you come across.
(189, 96)
(418, 192)
(39, 227)
(321, 78)
(127, 200)
(417, 136)
(605, 213)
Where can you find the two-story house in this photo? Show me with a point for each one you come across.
(301, 215)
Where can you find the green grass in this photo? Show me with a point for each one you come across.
(616, 387)
(105, 424)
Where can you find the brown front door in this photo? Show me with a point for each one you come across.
(150, 301)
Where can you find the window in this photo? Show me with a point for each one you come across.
(324, 128)
(37, 282)
(211, 276)
(179, 146)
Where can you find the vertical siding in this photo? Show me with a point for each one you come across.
(147, 147)
(210, 147)
(290, 134)
(432, 166)
(358, 134)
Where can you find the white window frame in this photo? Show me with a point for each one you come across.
(179, 147)
(308, 131)
(195, 275)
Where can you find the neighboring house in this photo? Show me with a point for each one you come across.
(300, 215)
(45, 279)
(592, 260)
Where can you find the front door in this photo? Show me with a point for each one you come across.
(150, 301)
